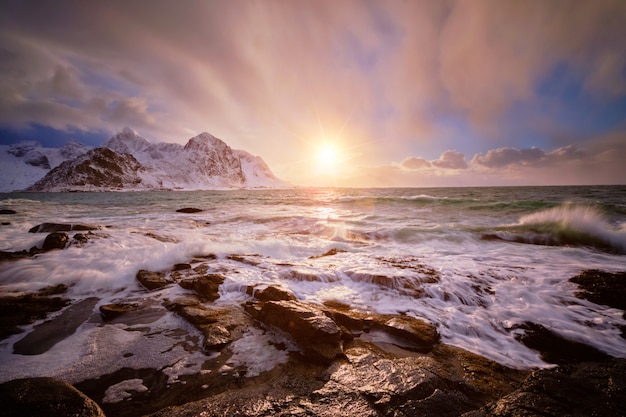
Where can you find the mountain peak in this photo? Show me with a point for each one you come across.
(126, 141)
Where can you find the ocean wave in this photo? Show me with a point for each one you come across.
(566, 225)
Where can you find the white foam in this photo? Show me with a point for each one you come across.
(120, 391)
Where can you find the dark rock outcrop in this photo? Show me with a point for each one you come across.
(25, 309)
(61, 227)
(7, 211)
(586, 389)
(602, 287)
(44, 397)
(557, 349)
(56, 240)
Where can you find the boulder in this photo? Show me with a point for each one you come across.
(152, 280)
(7, 211)
(56, 240)
(271, 293)
(317, 335)
(61, 227)
(206, 286)
(44, 397)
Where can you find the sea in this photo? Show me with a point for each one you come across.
(476, 262)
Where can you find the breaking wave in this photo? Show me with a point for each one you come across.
(566, 225)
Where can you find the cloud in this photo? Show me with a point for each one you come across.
(450, 160)
(415, 163)
(501, 157)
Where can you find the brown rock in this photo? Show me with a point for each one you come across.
(152, 280)
(410, 328)
(317, 335)
(111, 311)
(271, 293)
(206, 286)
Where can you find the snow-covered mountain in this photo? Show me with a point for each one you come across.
(205, 162)
(24, 163)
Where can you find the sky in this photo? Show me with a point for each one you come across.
(333, 93)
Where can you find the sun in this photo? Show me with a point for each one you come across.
(328, 157)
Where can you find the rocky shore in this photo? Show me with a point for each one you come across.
(336, 360)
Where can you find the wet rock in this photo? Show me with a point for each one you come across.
(422, 335)
(152, 280)
(411, 329)
(56, 240)
(181, 267)
(111, 311)
(61, 227)
(189, 210)
(602, 287)
(216, 336)
(25, 309)
(333, 251)
(47, 334)
(80, 238)
(251, 260)
(10, 256)
(586, 389)
(271, 293)
(557, 349)
(218, 326)
(206, 286)
(7, 211)
(5, 223)
(316, 334)
(367, 382)
(44, 397)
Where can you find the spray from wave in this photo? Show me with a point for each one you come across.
(566, 225)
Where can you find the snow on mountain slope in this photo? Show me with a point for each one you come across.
(22, 164)
(205, 162)
(257, 173)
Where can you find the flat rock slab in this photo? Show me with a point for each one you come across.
(47, 334)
